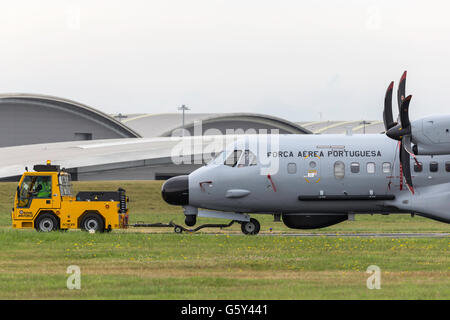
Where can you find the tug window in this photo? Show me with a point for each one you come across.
(418, 167)
(371, 167)
(434, 166)
(34, 187)
(65, 185)
(339, 170)
(247, 159)
(386, 167)
(354, 167)
(292, 168)
(233, 158)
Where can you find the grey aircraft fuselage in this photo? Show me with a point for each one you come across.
(319, 174)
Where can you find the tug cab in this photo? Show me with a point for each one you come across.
(44, 201)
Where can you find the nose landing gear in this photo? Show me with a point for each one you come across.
(190, 220)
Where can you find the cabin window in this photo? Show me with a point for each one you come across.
(292, 168)
(447, 166)
(248, 158)
(354, 167)
(233, 158)
(339, 170)
(386, 167)
(418, 167)
(434, 166)
(312, 164)
(371, 167)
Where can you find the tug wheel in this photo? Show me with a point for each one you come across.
(251, 227)
(92, 222)
(46, 222)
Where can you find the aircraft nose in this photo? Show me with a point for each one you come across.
(176, 190)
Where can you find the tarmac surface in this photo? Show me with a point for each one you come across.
(362, 235)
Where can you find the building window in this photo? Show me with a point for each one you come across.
(292, 168)
(386, 167)
(418, 167)
(82, 136)
(434, 166)
(371, 167)
(339, 170)
(354, 167)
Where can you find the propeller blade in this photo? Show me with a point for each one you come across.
(401, 90)
(404, 113)
(406, 141)
(406, 167)
(388, 119)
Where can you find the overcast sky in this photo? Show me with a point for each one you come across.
(294, 59)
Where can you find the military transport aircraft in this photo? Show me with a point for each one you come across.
(314, 181)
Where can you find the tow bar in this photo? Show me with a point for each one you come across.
(177, 228)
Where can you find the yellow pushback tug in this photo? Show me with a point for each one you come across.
(44, 201)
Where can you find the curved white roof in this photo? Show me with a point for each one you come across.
(162, 125)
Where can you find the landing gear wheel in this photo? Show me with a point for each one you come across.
(92, 222)
(251, 227)
(178, 229)
(190, 220)
(46, 223)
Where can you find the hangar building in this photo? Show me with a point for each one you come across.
(30, 119)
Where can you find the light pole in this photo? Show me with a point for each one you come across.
(120, 116)
(364, 125)
(183, 108)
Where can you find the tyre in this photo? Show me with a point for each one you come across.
(190, 220)
(46, 222)
(251, 227)
(92, 222)
(178, 229)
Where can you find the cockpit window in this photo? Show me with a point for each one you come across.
(237, 158)
(247, 159)
(218, 159)
(233, 158)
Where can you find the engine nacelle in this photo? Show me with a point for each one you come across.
(312, 221)
(431, 135)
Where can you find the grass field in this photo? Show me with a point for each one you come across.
(158, 264)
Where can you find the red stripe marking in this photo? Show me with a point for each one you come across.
(271, 182)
